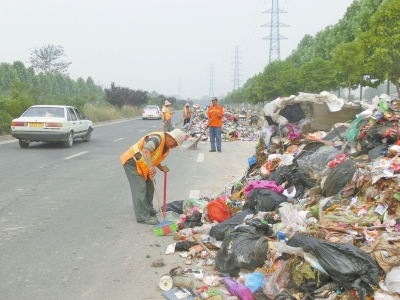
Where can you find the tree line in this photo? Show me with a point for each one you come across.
(361, 50)
(49, 83)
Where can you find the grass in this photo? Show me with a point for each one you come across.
(107, 113)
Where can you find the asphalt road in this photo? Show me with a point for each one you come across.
(67, 228)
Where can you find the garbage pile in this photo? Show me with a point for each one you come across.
(233, 128)
(316, 216)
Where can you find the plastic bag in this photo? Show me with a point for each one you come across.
(346, 264)
(277, 282)
(193, 220)
(218, 210)
(221, 230)
(339, 177)
(284, 295)
(175, 206)
(264, 200)
(242, 248)
(237, 289)
(316, 163)
(254, 281)
(354, 130)
(392, 280)
(194, 202)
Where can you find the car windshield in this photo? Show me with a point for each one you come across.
(151, 107)
(45, 112)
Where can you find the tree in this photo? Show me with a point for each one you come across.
(120, 96)
(316, 76)
(48, 59)
(383, 38)
(23, 74)
(348, 60)
(8, 76)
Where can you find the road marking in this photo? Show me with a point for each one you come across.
(141, 130)
(72, 156)
(194, 194)
(200, 157)
(117, 140)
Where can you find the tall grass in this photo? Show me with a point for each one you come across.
(102, 113)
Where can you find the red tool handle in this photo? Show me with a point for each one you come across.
(165, 194)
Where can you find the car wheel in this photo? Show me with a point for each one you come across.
(70, 141)
(23, 144)
(88, 135)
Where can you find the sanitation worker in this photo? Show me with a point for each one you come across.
(166, 116)
(139, 164)
(215, 114)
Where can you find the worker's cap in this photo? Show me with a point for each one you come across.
(187, 104)
(178, 136)
(167, 102)
(214, 98)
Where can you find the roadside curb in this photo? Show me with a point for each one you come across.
(7, 137)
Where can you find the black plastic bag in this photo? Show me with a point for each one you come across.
(346, 264)
(264, 200)
(242, 248)
(294, 176)
(261, 228)
(193, 220)
(339, 177)
(293, 113)
(377, 151)
(221, 230)
(176, 206)
(184, 245)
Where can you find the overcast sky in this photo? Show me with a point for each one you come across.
(162, 45)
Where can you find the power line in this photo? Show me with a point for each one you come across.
(274, 37)
(236, 69)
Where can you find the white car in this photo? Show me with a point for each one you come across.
(51, 123)
(151, 112)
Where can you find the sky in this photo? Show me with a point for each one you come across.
(169, 46)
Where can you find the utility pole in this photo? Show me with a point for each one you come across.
(211, 84)
(274, 37)
(236, 69)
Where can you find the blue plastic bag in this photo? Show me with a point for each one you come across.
(254, 281)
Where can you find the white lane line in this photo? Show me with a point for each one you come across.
(200, 157)
(194, 194)
(72, 156)
(117, 140)
(141, 130)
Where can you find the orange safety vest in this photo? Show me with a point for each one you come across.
(217, 121)
(156, 156)
(167, 114)
(187, 112)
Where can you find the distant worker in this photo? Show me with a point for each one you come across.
(187, 114)
(215, 114)
(166, 116)
(139, 164)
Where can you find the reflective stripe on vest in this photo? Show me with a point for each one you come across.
(157, 157)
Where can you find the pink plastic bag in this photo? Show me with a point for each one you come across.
(237, 289)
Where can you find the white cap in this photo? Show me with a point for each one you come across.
(178, 136)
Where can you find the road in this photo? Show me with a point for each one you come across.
(67, 229)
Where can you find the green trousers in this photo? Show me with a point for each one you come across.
(142, 192)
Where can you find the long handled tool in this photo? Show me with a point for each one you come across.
(194, 145)
(165, 226)
(172, 125)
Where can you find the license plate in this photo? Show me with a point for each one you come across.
(149, 115)
(36, 124)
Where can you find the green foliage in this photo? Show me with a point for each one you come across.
(120, 96)
(316, 76)
(47, 59)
